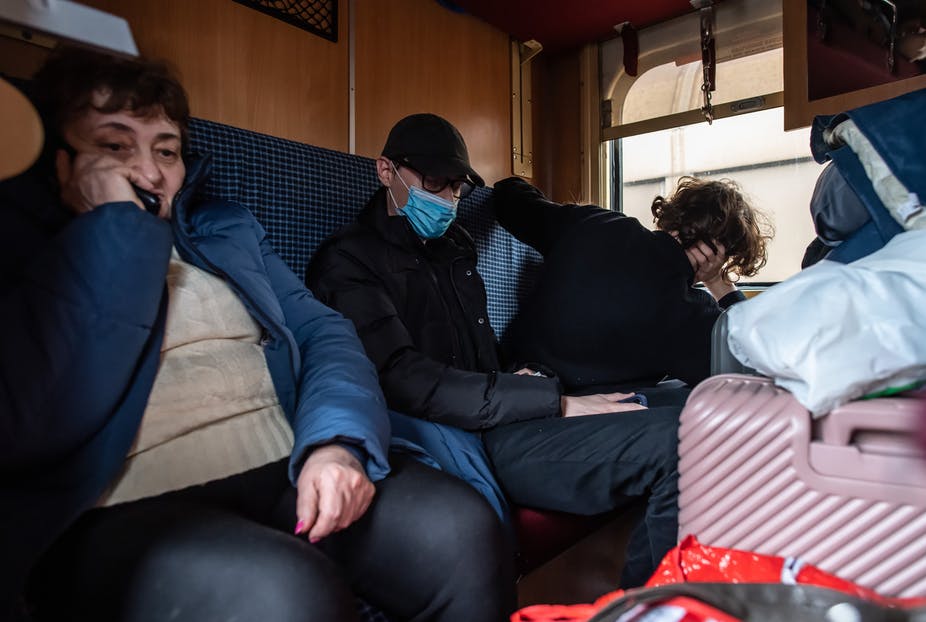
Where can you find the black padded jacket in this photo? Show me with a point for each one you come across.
(420, 311)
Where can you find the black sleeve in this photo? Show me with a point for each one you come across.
(731, 299)
(530, 217)
(687, 341)
(412, 382)
(691, 353)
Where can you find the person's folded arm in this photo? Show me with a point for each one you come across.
(414, 383)
(422, 387)
(529, 216)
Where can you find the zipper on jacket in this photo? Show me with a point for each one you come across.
(456, 292)
(455, 356)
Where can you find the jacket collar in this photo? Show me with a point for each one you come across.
(397, 231)
(198, 168)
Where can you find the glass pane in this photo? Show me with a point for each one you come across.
(774, 168)
(748, 42)
(672, 88)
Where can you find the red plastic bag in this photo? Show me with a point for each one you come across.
(693, 562)
(564, 613)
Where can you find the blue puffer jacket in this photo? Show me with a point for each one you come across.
(899, 143)
(83, 304)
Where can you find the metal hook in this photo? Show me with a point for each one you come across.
(708, 59)
(707, 110)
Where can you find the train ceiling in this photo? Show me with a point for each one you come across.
(565, 24)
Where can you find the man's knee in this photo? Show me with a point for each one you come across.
(661, 438)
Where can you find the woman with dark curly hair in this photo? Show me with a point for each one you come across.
(615, 306)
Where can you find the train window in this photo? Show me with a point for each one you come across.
(655, 131)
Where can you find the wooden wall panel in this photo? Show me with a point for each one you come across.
(19, 59)
(247, 69)
(557, 128)
(416, 56)
(250, 70)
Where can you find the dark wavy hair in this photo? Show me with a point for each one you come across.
(64, 87)
(715, 211)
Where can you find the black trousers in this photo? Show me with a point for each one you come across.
(429, 548)
(598, 463)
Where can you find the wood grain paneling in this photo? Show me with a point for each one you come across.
(19, 59)
(416, 56)
(557, 131)
(247, 69)
(250, 70)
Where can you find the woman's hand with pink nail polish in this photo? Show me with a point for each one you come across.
(332, 492)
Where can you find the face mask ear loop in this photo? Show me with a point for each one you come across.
(392, 196)
(388, 189)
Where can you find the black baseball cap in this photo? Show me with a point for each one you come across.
(432, 146)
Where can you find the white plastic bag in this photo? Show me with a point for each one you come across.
(836, 332)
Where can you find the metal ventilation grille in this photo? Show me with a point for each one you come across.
(317, 16)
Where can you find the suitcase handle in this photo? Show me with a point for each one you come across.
(872, 441)
(891, 417)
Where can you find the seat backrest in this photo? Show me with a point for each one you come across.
(301, 194)
(722, 360)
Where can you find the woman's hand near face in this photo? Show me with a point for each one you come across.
(92, 179)
(333, 491)
(116, 150)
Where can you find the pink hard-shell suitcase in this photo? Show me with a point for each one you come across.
(846, 492)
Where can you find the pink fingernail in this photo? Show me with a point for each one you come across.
(314, 540)
(300, 527)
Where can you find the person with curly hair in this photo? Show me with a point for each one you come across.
(616, 305)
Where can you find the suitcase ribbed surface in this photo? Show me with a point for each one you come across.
(746, 483)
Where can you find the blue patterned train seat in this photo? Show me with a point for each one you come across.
(301, 194)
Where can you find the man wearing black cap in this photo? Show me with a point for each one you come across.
(405, 273)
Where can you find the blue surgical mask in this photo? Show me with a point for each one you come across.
(429, 215)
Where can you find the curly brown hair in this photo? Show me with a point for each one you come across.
(64, 87)
(715, 211)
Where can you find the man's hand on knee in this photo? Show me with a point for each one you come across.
(598, 404)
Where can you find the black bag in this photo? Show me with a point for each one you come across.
(765, 602)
